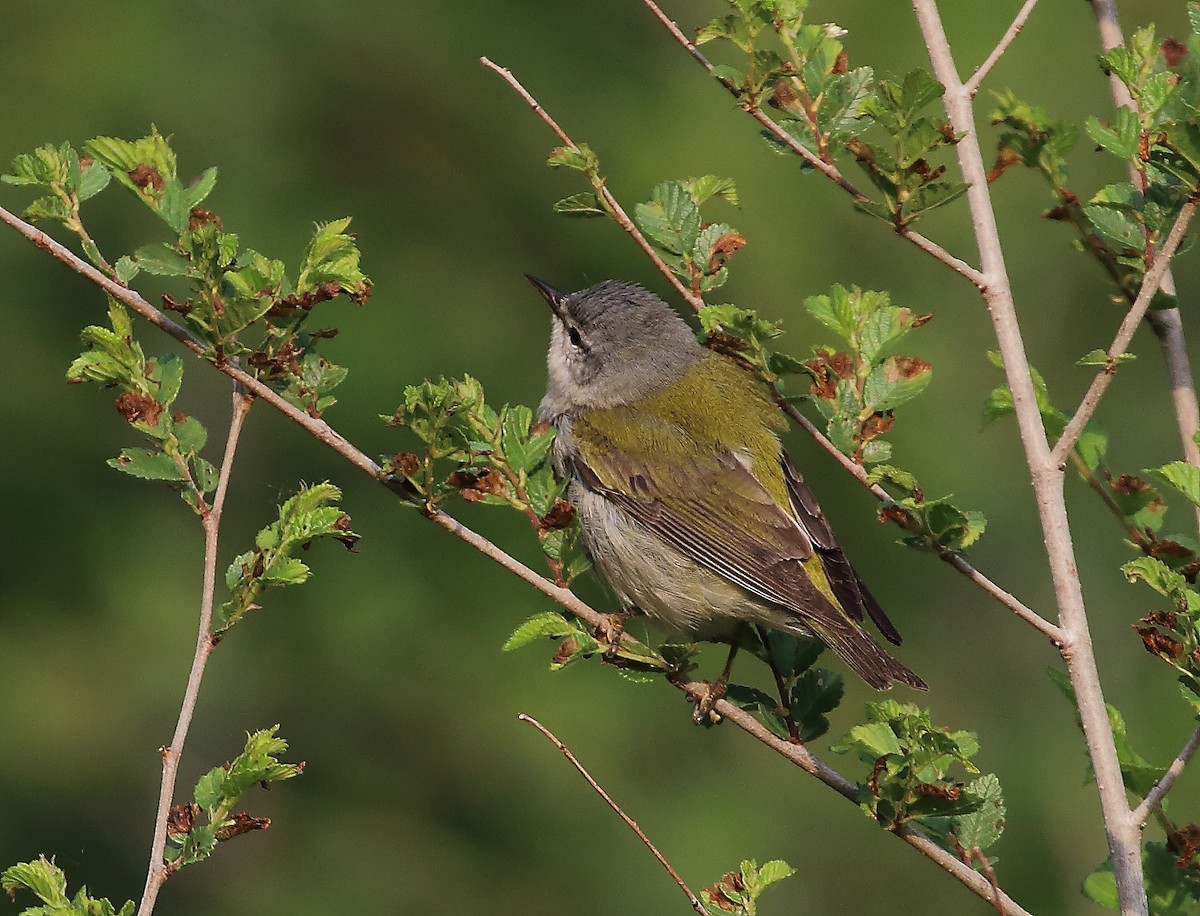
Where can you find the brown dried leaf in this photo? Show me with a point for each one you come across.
(139, 408)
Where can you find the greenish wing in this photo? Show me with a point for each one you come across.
(715, 511)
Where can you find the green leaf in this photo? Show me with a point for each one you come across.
(671, 218)
(983, 827)
(585, 203)
(1120, 138)
(163, 260)
(1155, 573)
(540, 626)
(43, 878)
(774, 871)
(1181, 475)
(1101, 358)
(581, 159)
(1116, 226)
(147, 464)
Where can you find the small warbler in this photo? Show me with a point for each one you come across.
(690, 508)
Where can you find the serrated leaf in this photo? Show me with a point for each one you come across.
(539, 626)
(162, 260)
(1120, 138)
(585, 203)
(1181, 475)
(147, 464)
(581, 159)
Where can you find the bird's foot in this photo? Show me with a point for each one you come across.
(704, 713)
(609, 633)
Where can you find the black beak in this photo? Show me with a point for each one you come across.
(552, 296)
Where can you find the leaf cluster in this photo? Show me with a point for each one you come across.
(899, 166)
(1124, 222)
(148, 389)
(910, 780)
(195, 828)
(305, 517)
(694, 250)
(484, 455)
(239, 302)
(737, 893)
(801, 69)
(48, 883)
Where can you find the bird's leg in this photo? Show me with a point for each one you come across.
(785, 706)
(703, 713)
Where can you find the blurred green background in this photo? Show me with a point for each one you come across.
(423, 793)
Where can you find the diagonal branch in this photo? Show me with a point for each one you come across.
(1046, 477)
(1160, 789)
(320, 430)
(828, 169)
(1133, 318)
(972, 85)
(621, 217)
(629, 822)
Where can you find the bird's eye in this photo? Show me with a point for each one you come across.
(575, 337)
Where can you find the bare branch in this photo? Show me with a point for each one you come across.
(621, 217)
(159, 870)
(1158, 792)
(828, 169)
(1047, 478)
(972, 85)
(1167, 324)
(629, 822)
(1133, 318)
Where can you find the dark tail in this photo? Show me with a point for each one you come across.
(870, 662)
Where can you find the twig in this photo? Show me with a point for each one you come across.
(1133, 318)
(972, 85)
(619, 215)
(828, 169)
(1010, 601)
(1167, 324)
(797, 754)
(159, 870)
(1159, 790)
(1047, 478)
(629, 822)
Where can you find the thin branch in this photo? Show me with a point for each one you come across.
(1158, 792)
(972, 85)
(629, 822)
(321, 431)
(828, 169)
(159, 870)
(1047, 478)
(619, 215)
(1167, 324)
(1133, 318)
(1010, 601)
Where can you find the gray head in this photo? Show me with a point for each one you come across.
(612, 344)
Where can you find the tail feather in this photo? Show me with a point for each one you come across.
(868, 660)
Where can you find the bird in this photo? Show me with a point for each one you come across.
(690, 509)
